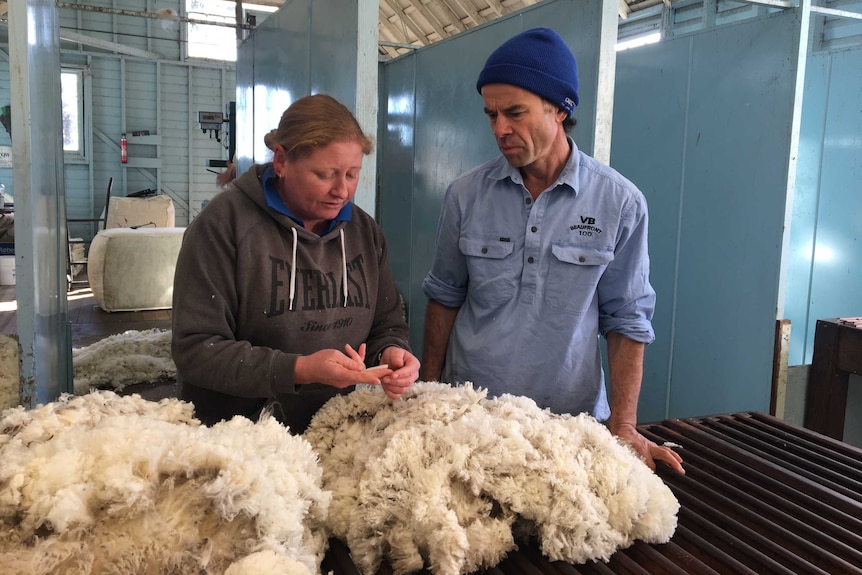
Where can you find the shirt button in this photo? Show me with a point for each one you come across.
(530, 260)
(533, 229)
(582, 259)
(484, 250)
(529, 201)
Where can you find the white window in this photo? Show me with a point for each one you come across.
(72, 97)
(218, 42)
(638, 41)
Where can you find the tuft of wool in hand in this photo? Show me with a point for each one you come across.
(124, 359)
(448, 479)
(101, 483)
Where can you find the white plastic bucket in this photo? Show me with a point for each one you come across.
(7, 270)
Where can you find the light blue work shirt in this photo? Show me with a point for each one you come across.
(538, 281)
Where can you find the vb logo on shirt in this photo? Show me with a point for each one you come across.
(587, 227)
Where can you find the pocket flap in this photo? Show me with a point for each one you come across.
(485, 248)
(581, 255)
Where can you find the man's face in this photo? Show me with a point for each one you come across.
(525, 126)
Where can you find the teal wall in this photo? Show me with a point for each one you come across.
(824, 278)
(708, 142)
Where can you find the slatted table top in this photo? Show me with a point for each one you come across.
(760, 496)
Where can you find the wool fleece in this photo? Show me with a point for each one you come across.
(124, 359)
(100, 483)
(447, 479)
(254, 290)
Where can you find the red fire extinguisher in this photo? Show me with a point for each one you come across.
(124, 149)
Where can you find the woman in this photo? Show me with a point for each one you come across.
(283, 294)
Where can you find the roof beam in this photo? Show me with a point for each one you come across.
(430, 17)
(408, 22)
(154, 15)
(78, 38)
(625, 9)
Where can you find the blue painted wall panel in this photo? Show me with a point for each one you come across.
(824, 275)
(395, 173)
(803, 224)
(837, 285)
(332, 53)
(641, 143)
(716, 182)
(737, 158)
(302, 48)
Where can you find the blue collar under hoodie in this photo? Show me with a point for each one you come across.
(274, 201)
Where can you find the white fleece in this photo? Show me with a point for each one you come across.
(106, 484)
(124, 359)
(447, 479)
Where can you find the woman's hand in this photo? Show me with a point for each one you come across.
(405, 370)
(332, 367)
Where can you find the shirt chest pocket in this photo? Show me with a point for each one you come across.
(573, 276)
(491, 267)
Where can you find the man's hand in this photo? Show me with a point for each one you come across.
(650, 451)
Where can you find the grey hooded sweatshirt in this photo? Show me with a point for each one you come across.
(253, 291)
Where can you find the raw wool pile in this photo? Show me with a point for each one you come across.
(449, 479)
(10, 392)
(107, 484)
(124, 359)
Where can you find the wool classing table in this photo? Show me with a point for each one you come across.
(760, 497)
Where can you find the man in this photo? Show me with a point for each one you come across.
(539, 252)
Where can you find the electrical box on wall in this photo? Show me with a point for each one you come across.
(211, 122)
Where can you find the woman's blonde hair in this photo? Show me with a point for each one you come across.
(313, 122)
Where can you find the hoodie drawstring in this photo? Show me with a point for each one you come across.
(343, 267)
(293, 270)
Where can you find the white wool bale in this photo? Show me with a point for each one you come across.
(448, 479)
(133, 269)
(124, 359)
(10, 383)
(107, 484)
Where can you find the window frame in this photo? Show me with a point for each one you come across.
(197, 50)
(81, 155)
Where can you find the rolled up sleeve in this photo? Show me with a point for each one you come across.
(626, 297)
(446, 283)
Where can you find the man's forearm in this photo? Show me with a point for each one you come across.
(439, 320)
(625, 359)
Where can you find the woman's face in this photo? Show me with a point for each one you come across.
(317, 186)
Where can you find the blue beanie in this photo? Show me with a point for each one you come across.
(536, 60)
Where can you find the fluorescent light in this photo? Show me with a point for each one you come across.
(638, 41)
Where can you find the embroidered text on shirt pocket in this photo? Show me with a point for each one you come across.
(491, 267)
(574, 272)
